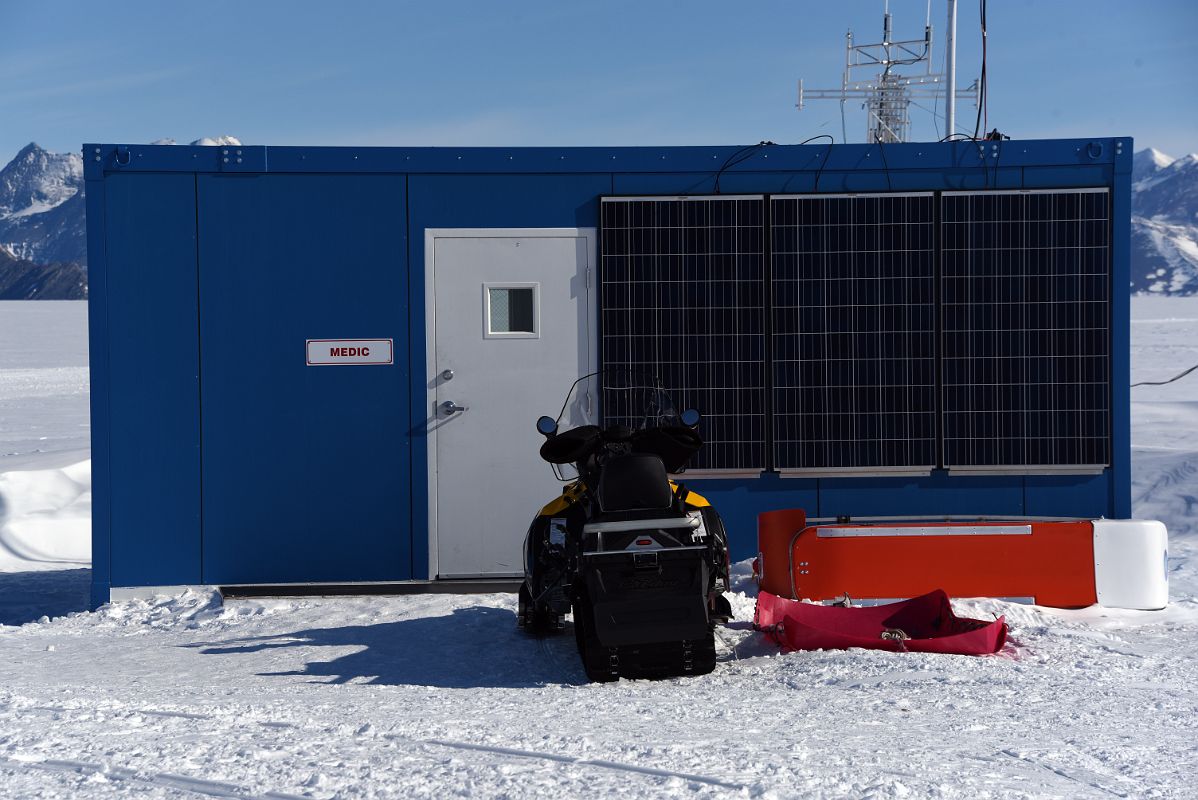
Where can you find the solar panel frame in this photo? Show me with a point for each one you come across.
(682, 294)
(1026, 319)
(854, 341)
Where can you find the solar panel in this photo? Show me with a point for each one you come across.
(854, 361)
(1025, 316)
(682, 297)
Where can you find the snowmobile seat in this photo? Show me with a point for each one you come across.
(674, 444)
(634, 482)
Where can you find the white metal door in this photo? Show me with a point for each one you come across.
(511, 320)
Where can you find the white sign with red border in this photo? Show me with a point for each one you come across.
(348, 352)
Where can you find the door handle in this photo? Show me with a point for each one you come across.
(449, 408)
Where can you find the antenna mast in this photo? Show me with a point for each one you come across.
(887, 96)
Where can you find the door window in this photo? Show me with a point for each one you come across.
(511, 310)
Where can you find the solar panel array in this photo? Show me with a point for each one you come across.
(1025, 311)
(889, 348)
(854, 361)
(682, 297)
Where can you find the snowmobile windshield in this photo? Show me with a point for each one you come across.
(635, 400)
(637, 414)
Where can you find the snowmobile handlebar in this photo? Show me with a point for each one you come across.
(673, 444)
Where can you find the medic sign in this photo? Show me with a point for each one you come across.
(328, 352)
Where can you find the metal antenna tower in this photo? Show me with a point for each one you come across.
(888, 95)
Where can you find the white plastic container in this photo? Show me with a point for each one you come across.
(1131, 563)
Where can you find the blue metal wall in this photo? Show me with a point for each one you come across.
(152, 466)
(294, 456)
(219, 457)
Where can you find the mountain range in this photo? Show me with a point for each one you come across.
(43, 252)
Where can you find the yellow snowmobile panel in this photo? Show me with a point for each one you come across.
(570, 495)
(693, 498)
(573, 492)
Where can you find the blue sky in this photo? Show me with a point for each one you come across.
(544, 73)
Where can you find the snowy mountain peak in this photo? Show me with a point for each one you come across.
(32, 147)
(1185, 162)
(219, 141)
(1164, 225)
(1157, 157)
(37, 181)
(1146, 162)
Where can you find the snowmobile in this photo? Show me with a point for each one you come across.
(640, 561)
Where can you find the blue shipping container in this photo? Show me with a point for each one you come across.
(223, 457)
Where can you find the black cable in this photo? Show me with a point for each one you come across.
(886, 166)
(752, 150)
(936, 96)
(1162, 383)
(982, 99)
(728, 162)
(985, 82)
(997, 149)
(828, 152)
(822, 164)
(746, 156)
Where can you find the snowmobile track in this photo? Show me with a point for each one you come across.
(167, 780)
(1090, 782)
(585, 762)
(230, 790)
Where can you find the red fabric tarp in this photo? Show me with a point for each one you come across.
(924, 624)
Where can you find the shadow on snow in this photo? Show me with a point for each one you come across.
(475, 647)
(29, 596)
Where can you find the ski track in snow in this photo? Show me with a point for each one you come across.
(441, 695)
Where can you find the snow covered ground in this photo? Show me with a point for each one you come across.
(45, 473)
(440, 695)
(44, 415)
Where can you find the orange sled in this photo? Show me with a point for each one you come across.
(1069, 564)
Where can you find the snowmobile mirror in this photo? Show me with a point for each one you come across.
(690, 417)
(546, 426)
